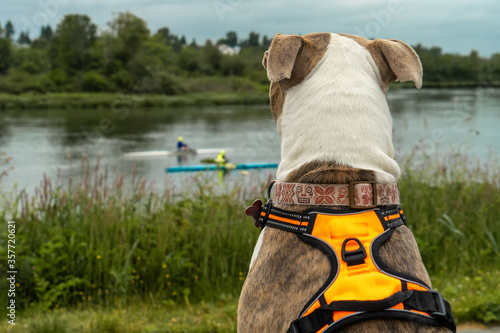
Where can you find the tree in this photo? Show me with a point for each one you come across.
(24, 38)
(232, 65)
(231, 39)
(266, 42)
(9, 30)
(45, 38)
(131, 32)
(1, 31)
(210, 58)
(72, 40)
(494, 65)
(188, 59)
(253, 39)
(5, 55)
(170, 39)
(46, 33)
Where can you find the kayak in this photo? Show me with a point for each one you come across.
(228, 166)
(154, 153)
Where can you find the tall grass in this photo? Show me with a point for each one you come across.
(97, 242)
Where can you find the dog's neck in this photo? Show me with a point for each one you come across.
(338, 117)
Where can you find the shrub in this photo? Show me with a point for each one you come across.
(93, 81)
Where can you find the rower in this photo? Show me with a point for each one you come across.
(221, 160)
(181, 146)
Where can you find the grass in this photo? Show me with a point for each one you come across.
(116, 100)
(212, 91)
(111, 243)
(203, 317)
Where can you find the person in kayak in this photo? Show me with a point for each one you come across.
(181, 146)
(221, 160)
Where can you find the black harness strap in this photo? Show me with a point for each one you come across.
(304, 223)
(430, 302)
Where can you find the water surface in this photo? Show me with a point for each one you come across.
(427, 122)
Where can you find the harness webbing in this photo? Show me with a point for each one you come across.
(360, 287)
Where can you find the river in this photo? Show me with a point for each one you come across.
(427, 122)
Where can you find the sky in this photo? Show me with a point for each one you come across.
(457, 26)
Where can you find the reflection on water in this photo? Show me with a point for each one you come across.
(464, 120)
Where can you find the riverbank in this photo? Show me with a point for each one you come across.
(82, 100)
(115, 100)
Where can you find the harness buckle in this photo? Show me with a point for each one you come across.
(351, 194)
(443, 315)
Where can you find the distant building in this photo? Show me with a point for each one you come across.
(228, 50)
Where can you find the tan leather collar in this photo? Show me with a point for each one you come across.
(357, 195)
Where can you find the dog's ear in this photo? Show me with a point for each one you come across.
(280, 58)
(402, 60)
(264, 60)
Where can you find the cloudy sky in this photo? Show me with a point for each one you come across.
(458, 26)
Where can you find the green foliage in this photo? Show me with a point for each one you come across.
(9, 30)
(72, 40)
(210, 59)
(231, 39)
(24, 38)
(20, 80)
(93, 81)
(252, 41)
(476, 297)
(32, 61)
(170, 39)
(442, 68)
(130, 31)
(231, 65)
(46, 33)
(5, 55)
(189, 60)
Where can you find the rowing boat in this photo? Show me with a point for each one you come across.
(154, 153)
(228, 166)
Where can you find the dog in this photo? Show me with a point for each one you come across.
(327, 97)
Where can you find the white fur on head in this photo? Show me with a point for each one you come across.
(339, 112)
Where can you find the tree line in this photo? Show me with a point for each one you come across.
(128, 57)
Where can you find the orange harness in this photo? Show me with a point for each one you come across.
(360, 285)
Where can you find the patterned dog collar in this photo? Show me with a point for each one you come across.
(357, 195)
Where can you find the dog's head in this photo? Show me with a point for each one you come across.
(291, 59)
(328, 99)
